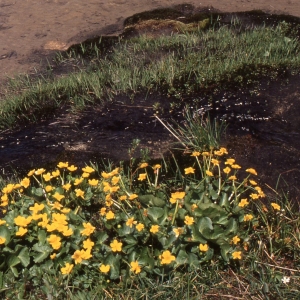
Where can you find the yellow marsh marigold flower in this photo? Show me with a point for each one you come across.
(67, 231)
(8, 189)
(177, 196)
(142, 176)
(227, 170)
(67, 269)
(205, 153)
(253, 182)
(251, 171)
(106, 175)
(54, 241)
(63, 164)
(143, 165)
(78, 181)
(275, 206)
(48, 188)
(4, 198)
(103, 211)
(55, 173)
(139, 227)
(2, 222)
(114, 189)
(85, 175)
(248, 217)
(30, 173)
(88, 169)
(37, 207)
(66, 186)
(243, 203)
(2, 240)
(194, 206)
(189, 170)
(229, 161)
(189, 220)
(115, 180)
(166, 257)
(104, 268)
(223, 150)
(237, 255)
(110, 215)
(88, 229)
(195, 153)
(21, 231)
(209, 173)
(157, 166)
(47, 176)
(65, 210)
(203, 247)
(233, 177)
(178, 231)
(116, 246)
(215, 162)
(39, 171)
(135, 268)
(77, 256)
(235, 166)
(25, 182)
(130, 222)
(86, 254)
(114, 172)
(58, 196)
(52, 256)
(123, 198)
(88, 244)
(254, 196)
(22, 221)
(56, 205)
(72, 168)
(133, 196)
(235, 240)
(154, 229)
(79, 193)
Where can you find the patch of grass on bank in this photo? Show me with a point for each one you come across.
(177, 66)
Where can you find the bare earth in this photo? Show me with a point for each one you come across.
(31, 29)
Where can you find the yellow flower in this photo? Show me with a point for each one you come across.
(114, 189)
(2, 240)
(106, 175)
(30, 173)
(189, 220)
(67, 231)
(205, 153)
(233, 177)
(133, 196)
(54, 241)
(209, 173)
(135, 267)
(143, 165)
(39, 171)
(72, 168)
(88, 229)
(140, 227)
(223, 150)
(275, 206)
(48, 188)
(157, 166)
(142, 176)
(235, 239)
(47, 176)
(78, 181)
(229, 161)
(21, 231)
(116, 246)
(79, 193)
(166, 257)
(63, 165)
(37, 207)
(88, 244)
(177, 196)
(227, 170)
(154, 229)
(103, 211)
(194, 206)
(8, 189)
(254, 196)
(25, 182)
(237, 255)
(78, 256)
(93, 182)
(2, 222)
(130, 222)
(104, 268)
(4, 198)
(243, 203)
(251, 171)
(66, 186)
(195, 153)
(65, 210)
(110, 215)
(115, 180)
(189, 170)
(52, 256)
(67, 269)
(85, 175)
(58, 196)
(248, 217)
(203, 247)
(235, 166)
(88, 169)
(56, 205)
(252, 182)
(55, 173)
(22, 221)
(123, 198)
(215, 162)
(178, 231)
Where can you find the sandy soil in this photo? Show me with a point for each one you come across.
(32, 29)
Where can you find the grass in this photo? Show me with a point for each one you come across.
(177, 66)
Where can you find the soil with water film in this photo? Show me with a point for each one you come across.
(263, 131)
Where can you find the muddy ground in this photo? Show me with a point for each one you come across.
(263, 130)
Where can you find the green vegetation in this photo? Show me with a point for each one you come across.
(178, 65)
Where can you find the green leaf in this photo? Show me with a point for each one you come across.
(13, 260)
(5, 233)
(193, 260)
(130, 240)
(166, 242)
(196, 235)
(225, 249)
(151, 200)
(37, 191)
(224, 200)
(232, 227)
(182, 257)
(24, 257)
(42, 235)
(43, 252)
(154, 213)
(114, 262)
(205, 227)
(15, 271)
(101, 237)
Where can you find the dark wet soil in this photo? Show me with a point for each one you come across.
(263, 131)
